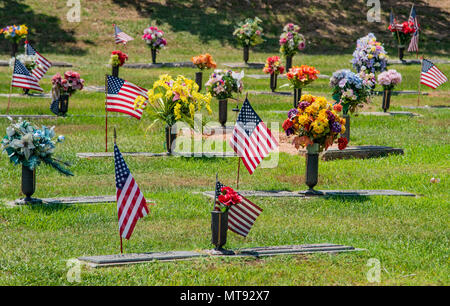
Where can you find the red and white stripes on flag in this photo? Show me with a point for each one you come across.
(120, 96)
(251, 139)
(22, 78)
(414, 44)
(120, 36)
(131, 204)
(431, 75)
(43, 63)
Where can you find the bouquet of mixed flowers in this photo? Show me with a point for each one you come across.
(117, 58)
(15, 33)
(302, 76)
(154, 38)
(228, 198)
(222, 84)
(349, 90)
(369, 53)
(29, 61)
(402, 35)
(389, 79)
(291, 41)
(71, 82)
(249, 32)
(204, 61)
(315, 121)
(273, 66)
(27, 145)
(368, 79)
(174, 100)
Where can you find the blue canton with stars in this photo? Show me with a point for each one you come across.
(114, 84)
(29, 50)
(219, 186)
(248, 119)
(426, 65)
(19, 68)
(122, 171)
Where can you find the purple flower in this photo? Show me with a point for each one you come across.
(292, 113)
(331, 117)
(303, 105)
(289, 131)
(335, 127)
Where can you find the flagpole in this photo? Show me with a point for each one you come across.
(121, 243)
(418, 95)
(106, 114)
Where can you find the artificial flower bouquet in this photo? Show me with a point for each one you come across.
(273, 65)
(27, 145)
(172, 100)
(315, 121)
(69, 84)
(349, 90)
(389, 79)
(204, 61)
(291, 41)
(249, 32)
(29, 61)
(222, 84)
(227, 198)
(117, 58)
(402, 35)
(300, 76)
(15, 33)
(369, 53)
(154, 38)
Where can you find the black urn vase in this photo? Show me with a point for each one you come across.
(199, 79)
(115, 71)
(312, 169)
(63, 104)
(154, 55)
(14, 47)
(401, 52)
(346, 134)
(273, 81)
(297, 96)
(223, 109)
(288, 63)
(219, 228)
(386, 99)
(29, 185)
(171, 136)
(246, 53)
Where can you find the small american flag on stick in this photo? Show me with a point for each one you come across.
(120, 96)
(23, 78)
(242, 216)
(251, 139)
(393, 23)
(431, 75)
(43, 63)
(414, 44)
(120, 36)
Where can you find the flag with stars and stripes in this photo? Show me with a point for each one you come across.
(23, 78)
(431, 75)
(120, 36)
(394, 26)
(131, 204)
(242, 216)
(414, 44)
(120, 96)
(251, 139)
(42, 63)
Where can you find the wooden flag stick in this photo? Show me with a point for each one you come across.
(398, 35)
(106, 113)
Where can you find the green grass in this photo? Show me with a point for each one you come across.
(408, 235)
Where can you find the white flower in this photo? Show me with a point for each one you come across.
(10, 131)
(237, 76)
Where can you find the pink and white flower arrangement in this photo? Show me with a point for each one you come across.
(273, 65)
(291, 41)
(69, 84)
(154, 38)
(389, 79)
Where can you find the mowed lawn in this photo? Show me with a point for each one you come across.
(408, 235)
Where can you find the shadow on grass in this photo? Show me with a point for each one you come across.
(45, 32)
(351, 199)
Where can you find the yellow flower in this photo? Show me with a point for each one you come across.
(369, 56)
(318, 127)
(303, 119)
(139, 102)
(192, 110)
(307, 98)
(177, 111)
(342, 129)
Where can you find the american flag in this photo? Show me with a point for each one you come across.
(393, 23)
(251, 139)
(43, 63)
(120, 96)
(242, 216)
(120, 36)
(22, 78)
(131, 204)
(414, 44)
(431, 75)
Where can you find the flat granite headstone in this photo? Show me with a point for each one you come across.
(425, 106)
(281, 76)
(401, 92)
(357, 152)
(31, 95)
(415, 61)
(54, 64)
(244, 65)
(271, 93)
(159, 65)
(89, 155)
(94, 88)
(31, 116)
(69, 200)
(395, 113)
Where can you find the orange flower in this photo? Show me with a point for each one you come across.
(204, 61)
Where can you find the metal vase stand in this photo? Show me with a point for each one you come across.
(347, 127)
(219, 229)
(115, 71)
(28, 186)
(288, 62)
(297, 96)
(273, 81)
(312, 169)
(154, 51)
(386, 99)
(170, 138)
(199, 79)
(223, 109)
(246, 53)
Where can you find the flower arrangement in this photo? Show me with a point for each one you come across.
(69, 84)
(154, 38)
(389, 79)
(368, 79)
(349, 90)
(27, 145)
(204, 61)
(291, 41)
(314, 121)
(29, 61)
(222, 84)
(402, 35)
(369, 53)
(302, 76)
(273, 66)
(172, 100)
(15, 33)
(249, 32)
(117, 58)
(228, 198)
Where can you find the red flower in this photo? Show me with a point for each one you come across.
(122, 56)
(342, 143)
(337, 107)
(287, 124)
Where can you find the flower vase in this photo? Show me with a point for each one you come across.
(219, 228)
(246, 53)
(29, 184)
(115, 71)
(153, 55)
(312, 168)
(347, 127)
(273, 81)
(14, 47)
(288, 62)
(63, 104)
(297, 96)
(401, 51)
(199, 79)
(386, 99)
(170, 138)
(223, 109)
